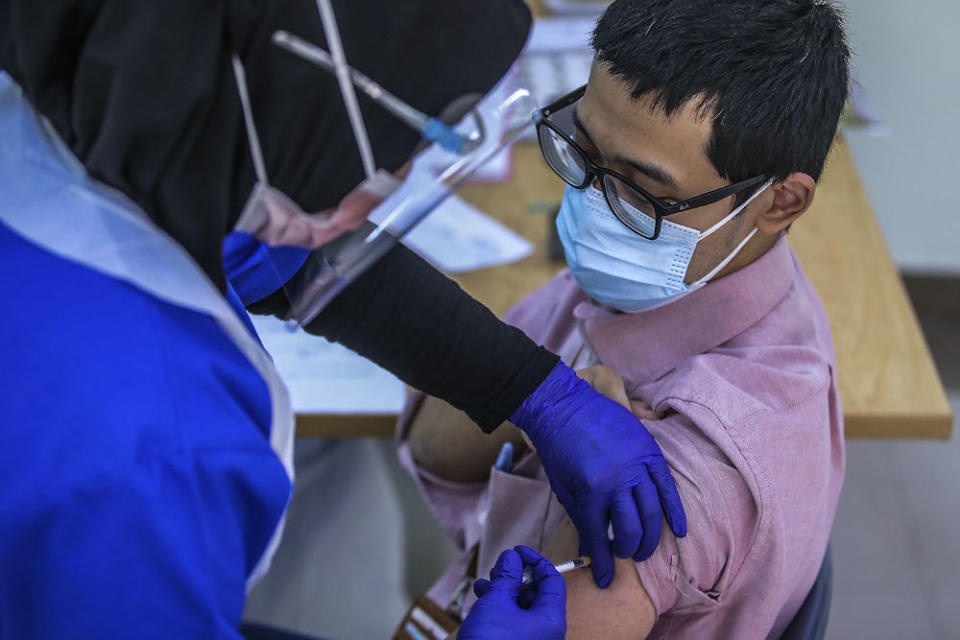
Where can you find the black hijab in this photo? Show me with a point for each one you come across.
(143, 93)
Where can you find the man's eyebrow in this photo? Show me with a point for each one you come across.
(652, 171)
(578, 123)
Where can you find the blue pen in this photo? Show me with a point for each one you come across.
(505, 458)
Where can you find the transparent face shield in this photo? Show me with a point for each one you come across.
(382, 208)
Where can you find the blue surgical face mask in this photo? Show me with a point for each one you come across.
(619, 268)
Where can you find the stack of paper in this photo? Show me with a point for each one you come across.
(326, 378)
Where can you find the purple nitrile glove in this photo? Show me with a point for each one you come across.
(498, 616)
(605, 468)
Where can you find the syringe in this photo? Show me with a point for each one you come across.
(432, 129)
(561, 567)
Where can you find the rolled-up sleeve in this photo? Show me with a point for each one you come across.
(689, 574)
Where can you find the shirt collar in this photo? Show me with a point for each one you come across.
(644, 346)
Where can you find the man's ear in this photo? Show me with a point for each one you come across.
(791, 198)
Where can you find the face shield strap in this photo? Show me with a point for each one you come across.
(342, 71)
(253, 140)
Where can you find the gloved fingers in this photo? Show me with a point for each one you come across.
(507, 575)
(592, 523)
(628, 530)
(669, 496)
(528, 594)
(551, 590)
(531, 563)
(651, 514)
(480, 587)
(551, 596)
(542, 568)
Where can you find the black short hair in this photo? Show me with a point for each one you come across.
(773, 74)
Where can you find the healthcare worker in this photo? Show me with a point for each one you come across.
(145, 437)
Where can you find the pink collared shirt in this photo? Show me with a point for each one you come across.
(743, 374)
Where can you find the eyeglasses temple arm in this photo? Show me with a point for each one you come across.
(712, 196)
(565, 101)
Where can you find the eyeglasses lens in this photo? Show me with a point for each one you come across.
(563, 158)
(630, 206)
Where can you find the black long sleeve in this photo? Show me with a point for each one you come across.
(415, 322)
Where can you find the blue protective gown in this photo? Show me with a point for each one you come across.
(138, 486)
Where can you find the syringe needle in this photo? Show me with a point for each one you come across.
(561, 567)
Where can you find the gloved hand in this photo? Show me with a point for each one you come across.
(497, 616)
(604, 466)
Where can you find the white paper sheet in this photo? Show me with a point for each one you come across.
(327, 378)
(497, 169)
(458, 237)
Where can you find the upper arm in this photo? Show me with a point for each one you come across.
(446, 442)
(622, 610)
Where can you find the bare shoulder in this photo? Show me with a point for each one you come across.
(447, 443)
(622, 610)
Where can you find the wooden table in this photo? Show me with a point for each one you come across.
(888, 383)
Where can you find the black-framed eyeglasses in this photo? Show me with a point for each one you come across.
(572, 164)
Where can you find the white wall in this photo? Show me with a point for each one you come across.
(908, 59)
